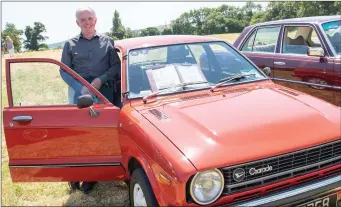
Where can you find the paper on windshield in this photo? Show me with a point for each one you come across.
(171, 75)
(163, 77)
(190, 73)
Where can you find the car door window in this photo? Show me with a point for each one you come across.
(297, 40)
(44, 84)
(263, 40)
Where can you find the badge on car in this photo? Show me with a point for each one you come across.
(239, 174)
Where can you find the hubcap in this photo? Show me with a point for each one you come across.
(139, 199)
(317, 81)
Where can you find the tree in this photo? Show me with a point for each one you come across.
(130, 33)
(150, 31)
(14, 33)
(117, 29)
(167, 31)
(34, 36)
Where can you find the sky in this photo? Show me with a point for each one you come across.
(60, 21)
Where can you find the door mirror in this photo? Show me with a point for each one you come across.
(85, 101)
(316, 52)
(267, 71)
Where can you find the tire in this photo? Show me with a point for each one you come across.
(139, 180)
(318, 81)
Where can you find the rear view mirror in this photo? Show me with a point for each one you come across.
(84, 101)
(316, 52)
(267, 71)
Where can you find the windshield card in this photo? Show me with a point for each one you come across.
(190, 73)
(163, 77)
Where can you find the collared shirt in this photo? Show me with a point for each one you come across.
(94, 58)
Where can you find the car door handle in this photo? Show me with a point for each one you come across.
(279, 63)
(22, 118)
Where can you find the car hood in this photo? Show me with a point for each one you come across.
(244, 126)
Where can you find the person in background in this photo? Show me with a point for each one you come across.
(2, 49)
(10, 46)
(92, 56)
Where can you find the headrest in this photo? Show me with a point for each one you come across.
(298, 41)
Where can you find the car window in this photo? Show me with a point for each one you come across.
(297, 39)
(265, 40)
(44, 84)
(249, 42)
(203, 63)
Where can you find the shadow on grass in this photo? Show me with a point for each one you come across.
(103, 194)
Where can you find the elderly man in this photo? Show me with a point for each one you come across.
(92, 56)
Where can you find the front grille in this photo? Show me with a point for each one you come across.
(283, 167)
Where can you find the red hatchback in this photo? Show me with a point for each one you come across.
(302, 49)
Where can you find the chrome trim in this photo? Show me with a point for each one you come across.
(65, 165)
(22, 118)
(306, 83)
(290, 193)
(282, 173)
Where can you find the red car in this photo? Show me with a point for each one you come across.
(302, 49)
(190, 128)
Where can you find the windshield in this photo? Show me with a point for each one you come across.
(184, 67)
(333, 32)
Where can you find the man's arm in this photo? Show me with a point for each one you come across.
(113, 70)
(67, 60)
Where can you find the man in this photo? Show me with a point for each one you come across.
(92, 56)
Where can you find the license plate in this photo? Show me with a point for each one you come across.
(327, 201)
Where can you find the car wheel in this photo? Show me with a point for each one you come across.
(317, 81)
(141, 192)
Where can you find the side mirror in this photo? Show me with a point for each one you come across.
(84, 101)
(267, 71)
(316, 52)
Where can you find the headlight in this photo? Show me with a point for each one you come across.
(206, 187)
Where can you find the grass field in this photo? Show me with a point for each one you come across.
(52, 194)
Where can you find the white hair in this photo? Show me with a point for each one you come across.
(84, 8)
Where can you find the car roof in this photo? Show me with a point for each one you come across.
(314, 19)
(138, 42)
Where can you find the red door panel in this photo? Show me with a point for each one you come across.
(62, 142)
(305, 68)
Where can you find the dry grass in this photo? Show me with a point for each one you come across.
(230, 38)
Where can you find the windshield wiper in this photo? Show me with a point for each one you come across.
(174, 86)
(236, 77)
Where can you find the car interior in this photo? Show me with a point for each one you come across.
(297, 40)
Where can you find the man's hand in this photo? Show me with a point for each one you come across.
(96, 83)
(85, 90)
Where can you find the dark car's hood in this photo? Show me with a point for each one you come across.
(221, 131)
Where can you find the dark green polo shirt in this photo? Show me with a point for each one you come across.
(92, 58)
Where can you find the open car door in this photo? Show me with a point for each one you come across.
(50, 138)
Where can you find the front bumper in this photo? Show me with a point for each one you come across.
(299, 195)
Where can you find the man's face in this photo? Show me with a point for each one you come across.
(86, 21)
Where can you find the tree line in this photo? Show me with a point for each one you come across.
(203, 21)
(34, 39)
(230, 19)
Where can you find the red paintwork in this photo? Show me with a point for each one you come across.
(200, 134)
(299, 67)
